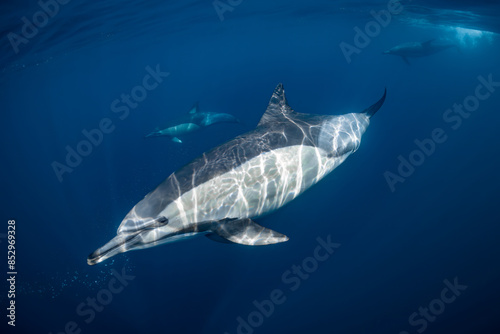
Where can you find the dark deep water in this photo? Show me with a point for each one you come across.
(397, 246)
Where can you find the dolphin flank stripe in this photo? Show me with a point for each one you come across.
(219, 193)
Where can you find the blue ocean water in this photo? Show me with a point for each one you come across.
(401, 238)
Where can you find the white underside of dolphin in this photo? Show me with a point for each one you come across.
(220, 193)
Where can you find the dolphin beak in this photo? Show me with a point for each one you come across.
(119, 244)
(125, 242)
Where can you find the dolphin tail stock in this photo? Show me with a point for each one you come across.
(233, 119)
(370, 111)
(155, 133)
(244, 231)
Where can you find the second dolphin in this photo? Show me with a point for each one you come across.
(193, 121)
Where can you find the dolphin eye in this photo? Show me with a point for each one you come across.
(154, 223)
(162, 220)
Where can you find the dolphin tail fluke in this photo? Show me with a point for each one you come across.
(374, 108)
(245, 232)
(406, 60)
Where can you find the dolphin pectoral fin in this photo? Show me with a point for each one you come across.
(177, 140)
(246, 232)
(217, 238)
(406, 60)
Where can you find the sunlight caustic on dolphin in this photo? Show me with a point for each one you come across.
(219, 193)
(193, 121)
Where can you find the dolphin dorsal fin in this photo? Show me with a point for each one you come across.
(194, 109)
(278, 106)
(428, 42)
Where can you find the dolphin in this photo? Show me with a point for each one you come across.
(220, 193)
(417, 49)
(193, 121)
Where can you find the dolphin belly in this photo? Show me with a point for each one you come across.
(255, 188)
(176, 130)
(181, 129)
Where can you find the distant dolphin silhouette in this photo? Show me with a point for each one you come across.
(220, 193)
(417, 49)
(193, 121)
